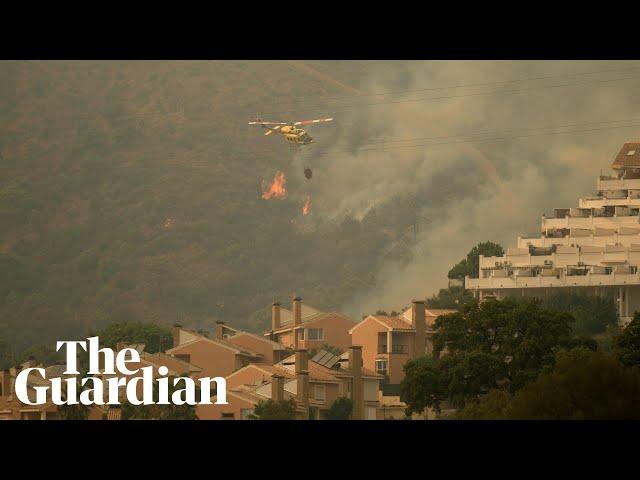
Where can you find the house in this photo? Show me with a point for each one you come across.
(314, 386)
(306, 327)
(272, 352)
(216, 357)
(388, 342)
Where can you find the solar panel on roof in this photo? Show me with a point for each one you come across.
(332, 362)
(318, 356)
(325, 358)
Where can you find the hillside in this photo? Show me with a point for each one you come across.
(132, 191)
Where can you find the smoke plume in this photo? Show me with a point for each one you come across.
(474, 191)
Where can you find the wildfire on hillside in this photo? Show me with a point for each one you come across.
(307, 205)
(277, 188)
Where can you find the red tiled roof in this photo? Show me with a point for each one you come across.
(234, 339)
(397, 323)
(321, 373)
(311, 319)
(432, 314)
(199, 338)
(173, 363)
(629, 156)
(403, 321)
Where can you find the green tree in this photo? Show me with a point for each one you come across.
(422, 385)
(270, 410)
(467, 375)
(453, 297)
(627, 344)
(583, 385)
(340, 409)
(492, 406)
(593, 314)
(484, 346)
(155, 337)
(5, 354)
(43, 354)
(471, 264)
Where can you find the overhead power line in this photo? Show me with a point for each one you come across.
(471, 137)
(464, 95)
(508, 137)
(304, 100)
(391, 141)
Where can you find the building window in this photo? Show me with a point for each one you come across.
(185, 357)
(227, 416)
(381, 367)
(319, 393)
(316, 334)
(300, 334)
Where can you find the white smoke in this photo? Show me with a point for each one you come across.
(477, 191)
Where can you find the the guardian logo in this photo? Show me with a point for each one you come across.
(115, 375)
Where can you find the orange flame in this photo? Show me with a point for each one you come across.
(277, 188)
(307, 205)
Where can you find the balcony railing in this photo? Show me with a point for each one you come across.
(399, 349)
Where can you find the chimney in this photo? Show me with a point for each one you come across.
(302, 390)
(302, 360)
(5, 382)
(13, 373)
(277, 388)
(275, 316)
(176, 334)
(357, 386)
(418, 323)
(297, 311)
(219, 334)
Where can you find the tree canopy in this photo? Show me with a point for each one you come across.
(453, 297)
(422, 386)
(583, 385)
(488, 345)
(593, 314)
(340, 409)
(271, 410)
(627, 344)
(155, 337)
(471, 264)
(522, 336)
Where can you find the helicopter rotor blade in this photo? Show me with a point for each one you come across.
(309, 122)
(268, 123)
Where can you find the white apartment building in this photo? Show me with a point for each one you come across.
(595, 246)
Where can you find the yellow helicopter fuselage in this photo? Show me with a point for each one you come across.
(295, 135)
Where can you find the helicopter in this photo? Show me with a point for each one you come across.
(290, 131)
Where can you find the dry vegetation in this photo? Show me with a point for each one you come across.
(131, 191)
